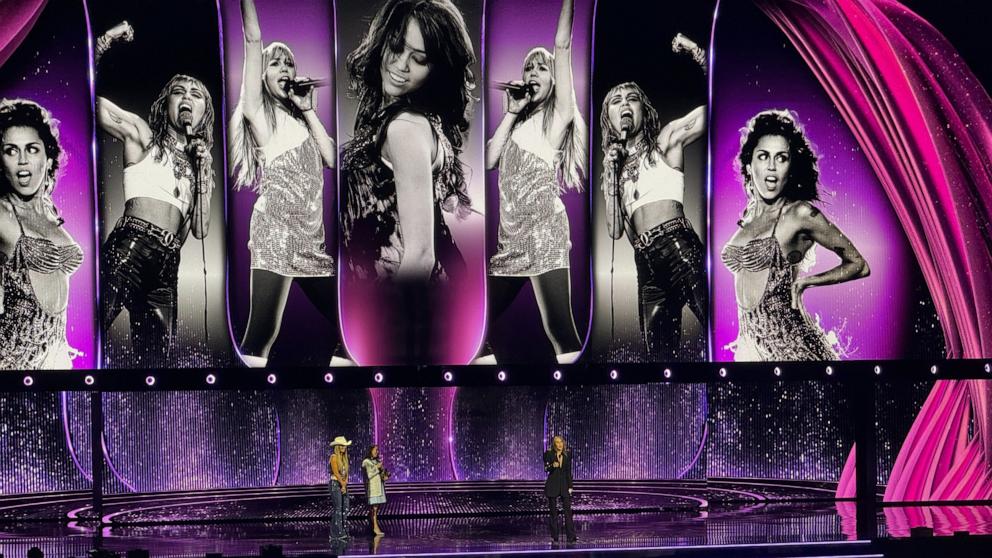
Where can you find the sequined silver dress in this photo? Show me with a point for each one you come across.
(287, 221)
(771, 329)
(31, 336)
(533, 236)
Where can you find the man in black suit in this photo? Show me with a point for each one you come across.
(558, 464)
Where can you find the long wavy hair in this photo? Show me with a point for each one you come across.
(651, 126)
(22, 112)
(804, 174)
(246, 155)
(158, 117)
(447, 92)
(572, 165)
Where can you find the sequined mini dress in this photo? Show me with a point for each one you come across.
(287, 221)
(32, 337)
(372, 233)
(771, 329)
(533, 236)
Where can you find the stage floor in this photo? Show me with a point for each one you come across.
(485, 518)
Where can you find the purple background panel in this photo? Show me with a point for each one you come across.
(50, 68)
(513, 28)
(307, 29)
(876, 317)
(463, 312)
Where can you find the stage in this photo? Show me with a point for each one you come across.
(716, 518)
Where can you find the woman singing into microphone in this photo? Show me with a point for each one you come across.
(279, 149)
(168, 181)
(644, 188)
(540, 150)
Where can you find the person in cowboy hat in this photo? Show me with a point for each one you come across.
(339, 486)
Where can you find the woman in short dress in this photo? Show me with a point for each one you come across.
(375, 488)
(279, 149)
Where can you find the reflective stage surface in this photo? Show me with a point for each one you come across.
(488, 518)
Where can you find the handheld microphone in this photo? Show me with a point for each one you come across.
(302, 86)
(626, 124)
(516, 90)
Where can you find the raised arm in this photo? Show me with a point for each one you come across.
(679, 133)
(120, 32)
(409, 140)
(251, 75)
(124, 126)
(820, 230)
(564, 88)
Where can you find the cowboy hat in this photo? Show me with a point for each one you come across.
(340, 441)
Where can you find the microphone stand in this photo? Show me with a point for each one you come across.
(618, 163)
(196, 165)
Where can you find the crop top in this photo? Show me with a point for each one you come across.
(158, 181)
(650, 183)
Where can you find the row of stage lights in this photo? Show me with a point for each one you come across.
(501, 376)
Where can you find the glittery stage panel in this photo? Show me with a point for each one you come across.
(896, 407)
(35, 453)
(653, 431)
(780, 430)
(499, 433)
(189, 440)
(414, 431)
(309, 420)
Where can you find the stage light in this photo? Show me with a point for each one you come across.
(378, 377)
(271, 378)
(878, 370)
(448, 376)
(988, 368)
(614, 374)
(28, 381)
(667, 373)
(501, 376)
(830, 371)
(89, 380)
(150, 380)
(723, 372)
(557, 375)
(328, 378)
(777, 371)
(211, 379)
(933, 369)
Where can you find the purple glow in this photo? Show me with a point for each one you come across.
(853, 199)
(514, 27)
(307, 30)
(50, 67)
(459, 322)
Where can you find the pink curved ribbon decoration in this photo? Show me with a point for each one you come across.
(16, 20)
(923, 120)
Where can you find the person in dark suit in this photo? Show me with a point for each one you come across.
(558, 464)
